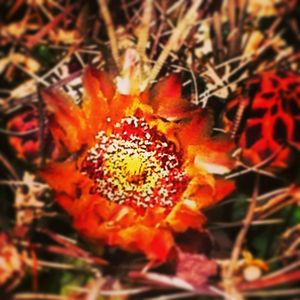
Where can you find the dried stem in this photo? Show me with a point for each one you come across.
(144, 28)
(183, 25)
(9, 167)
(270, 282)
(229, 273)
(36, 296)
(110, 31)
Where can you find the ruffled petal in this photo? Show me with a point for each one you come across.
(167, 101)
(173, 109)
(223, 188)
(204, 189)
(156, 243)
(99, 92)
(66, 120)
(128, 106)
(201, 191)
(169, 87)
(62, 177)
(116, 225)
(214, 155)
(185, 216)
(208, 154)
(196, 130)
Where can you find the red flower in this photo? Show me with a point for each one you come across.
(25, 137)
(272, 108)
(26, 141)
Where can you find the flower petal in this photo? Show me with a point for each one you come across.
(196, 130)
(156, 243)
(169, 87)
(214, 155)
(185, 216)
(125, 105)
(66, 120)
(173, 109)
(53, 172)
(99, 92)
(167, 101)
(206, 190)
(223, 188)
(126, 231)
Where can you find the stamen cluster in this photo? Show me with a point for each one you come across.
(136, 165)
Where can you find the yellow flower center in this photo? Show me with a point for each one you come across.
(135, 165)
(134, 168)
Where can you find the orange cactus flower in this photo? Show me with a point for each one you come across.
(144, 164)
